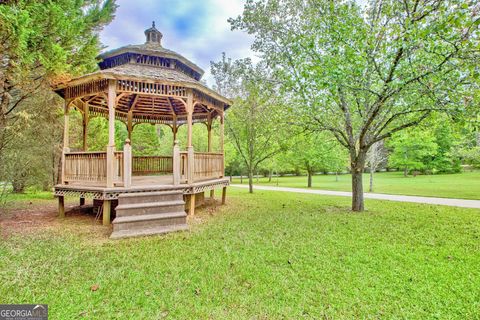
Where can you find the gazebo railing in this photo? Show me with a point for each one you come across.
(185, 166)
(152, 165)
(208, 165)
(90, 167)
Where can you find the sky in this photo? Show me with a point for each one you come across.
(196, 29)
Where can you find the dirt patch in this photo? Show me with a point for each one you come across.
(39, 218)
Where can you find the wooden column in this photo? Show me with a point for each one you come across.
(111, 98)
(222, 131)
(86, 119)
(82, 201)
(107, 208)
(174, 127)
(66, 142)
(212, 194)
(127, 164)
(66, 127)
(176, 164)
(191, 205)
(61, 207)
(130, 124)
(222, 139)
(224, 195)
(191, 154)
(209, 129)
(189, 118)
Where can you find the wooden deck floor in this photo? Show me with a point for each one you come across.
(140, 181)
(139, 184)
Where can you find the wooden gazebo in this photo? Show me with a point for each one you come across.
(143, 84)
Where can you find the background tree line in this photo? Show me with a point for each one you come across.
(338, 88)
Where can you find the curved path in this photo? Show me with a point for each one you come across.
(379, 196)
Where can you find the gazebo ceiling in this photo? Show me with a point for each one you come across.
(152, 83)
(148, 108)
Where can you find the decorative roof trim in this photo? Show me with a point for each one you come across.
(105, 74)
(166, 54)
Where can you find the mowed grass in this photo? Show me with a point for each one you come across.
(269, 255)
(464, 185)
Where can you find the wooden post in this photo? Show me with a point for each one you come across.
(222, 139)
(191, 207)
(224, 195)
(174, 131)
(190, 165)
(66, 125)
(61, 207)
(130, 124)
(222, 131)
(111, 133)
(190, 156)
(66, 131)
(86, 119)
(176, 163)
(209, 129)
(82, 201)
(127, 164)
(189, 117)
(212, 194)
(107, 208)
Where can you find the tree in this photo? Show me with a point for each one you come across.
(375, 157)
(316, 152)
(41, 42)
(366, 73)
(412, 149)
(446, 160)
(254, 123)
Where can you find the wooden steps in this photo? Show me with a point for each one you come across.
(149, 213)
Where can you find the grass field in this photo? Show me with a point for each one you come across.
(262, 256)
(463, 185)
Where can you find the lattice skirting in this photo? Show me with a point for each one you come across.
(113, 195)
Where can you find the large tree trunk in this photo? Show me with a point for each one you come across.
(357, 191)
(270, 175)
(405, 172)
(357, 168)
(309, 173)
(250, 181)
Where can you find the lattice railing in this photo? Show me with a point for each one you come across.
(151, 165)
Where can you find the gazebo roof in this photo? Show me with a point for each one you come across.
(150, 49)
(152, 82)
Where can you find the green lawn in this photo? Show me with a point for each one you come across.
(262, 256)
(463, 185)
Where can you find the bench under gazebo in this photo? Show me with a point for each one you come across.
(139, 84)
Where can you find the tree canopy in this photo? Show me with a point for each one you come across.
(365, 73)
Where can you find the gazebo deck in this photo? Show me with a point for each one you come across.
(139, 184)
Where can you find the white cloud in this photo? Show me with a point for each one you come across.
(196, 29)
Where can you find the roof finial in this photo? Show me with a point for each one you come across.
(153, 36)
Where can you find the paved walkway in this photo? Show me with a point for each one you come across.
(379, 196)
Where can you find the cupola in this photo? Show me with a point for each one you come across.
(153, 36)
